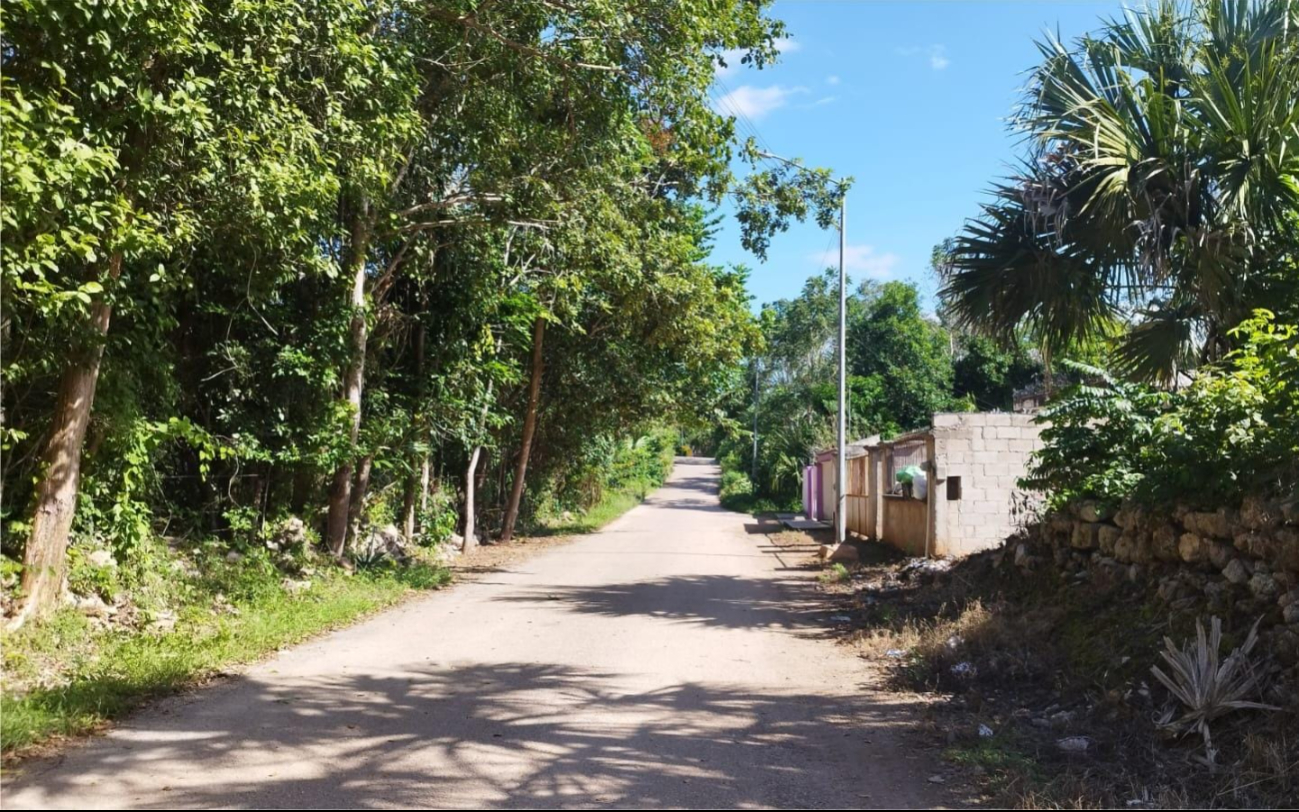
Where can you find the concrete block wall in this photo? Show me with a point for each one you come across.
(989, 451)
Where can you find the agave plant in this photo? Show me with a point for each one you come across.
(1160, 189)
(1206, 687)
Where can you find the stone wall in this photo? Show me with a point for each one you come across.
(989, 451)
(1242, 559)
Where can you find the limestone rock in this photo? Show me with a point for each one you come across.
(1124, 549)
(291, 535)
(1107, 537)
(1256, 544)
(1286, 553)
(1085, 535)
(1021, 555)
(1093, 511)
(1235, 572)
(846, 554)
(1264, 586)
(1257, 513)
(1164, 543)
(1220, 554)
(163, 621)
(94, 606)
(1192, 549)
(1217, 524)
(102, 559)
(1130, 517)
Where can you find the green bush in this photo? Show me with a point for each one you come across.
(735, 484)
(1234, 430)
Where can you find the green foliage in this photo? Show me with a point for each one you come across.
(312, 238)
(209, 179)
(1233, 431)
(835, 574)
(736, 490)
(900, 374)
(892, 342)
(989, 375)
(86, 577)
(1093, 438)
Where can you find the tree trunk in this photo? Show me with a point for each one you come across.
(359, 491)
(45, 556)
(408, 511)
(425, 478)
(340, 490)
(475, 456)
(529, 429)
(408, 505)
(471, 540)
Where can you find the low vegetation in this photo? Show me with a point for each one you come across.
(1232, 432)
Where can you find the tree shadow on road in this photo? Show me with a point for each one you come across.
(724, 601)
(510, 735)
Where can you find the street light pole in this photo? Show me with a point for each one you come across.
(841, 480)
(841, 453)
(757, 367)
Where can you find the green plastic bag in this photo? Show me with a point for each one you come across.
(906, 475)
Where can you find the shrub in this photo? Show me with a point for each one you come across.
(735, 487)
(1233, 431)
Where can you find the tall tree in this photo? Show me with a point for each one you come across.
(1161, 190)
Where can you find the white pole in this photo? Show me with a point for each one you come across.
(841, 484)
(754, 467)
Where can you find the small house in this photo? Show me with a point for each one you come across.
(968, 495)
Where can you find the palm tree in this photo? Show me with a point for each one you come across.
(1161, 190)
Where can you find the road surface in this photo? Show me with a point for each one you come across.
(669, 660)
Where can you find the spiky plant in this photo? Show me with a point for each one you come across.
(1206, 687)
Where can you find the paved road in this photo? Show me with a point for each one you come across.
(669, 660)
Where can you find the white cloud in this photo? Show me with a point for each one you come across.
(756, 102)
(936, 54)
(860, 260)
(832, 80)
(785, 45)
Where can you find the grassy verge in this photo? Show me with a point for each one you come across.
(612, 504)
(71, 674)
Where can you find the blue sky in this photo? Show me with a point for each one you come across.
(911, 99)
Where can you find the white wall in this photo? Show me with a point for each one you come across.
(989, 451)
